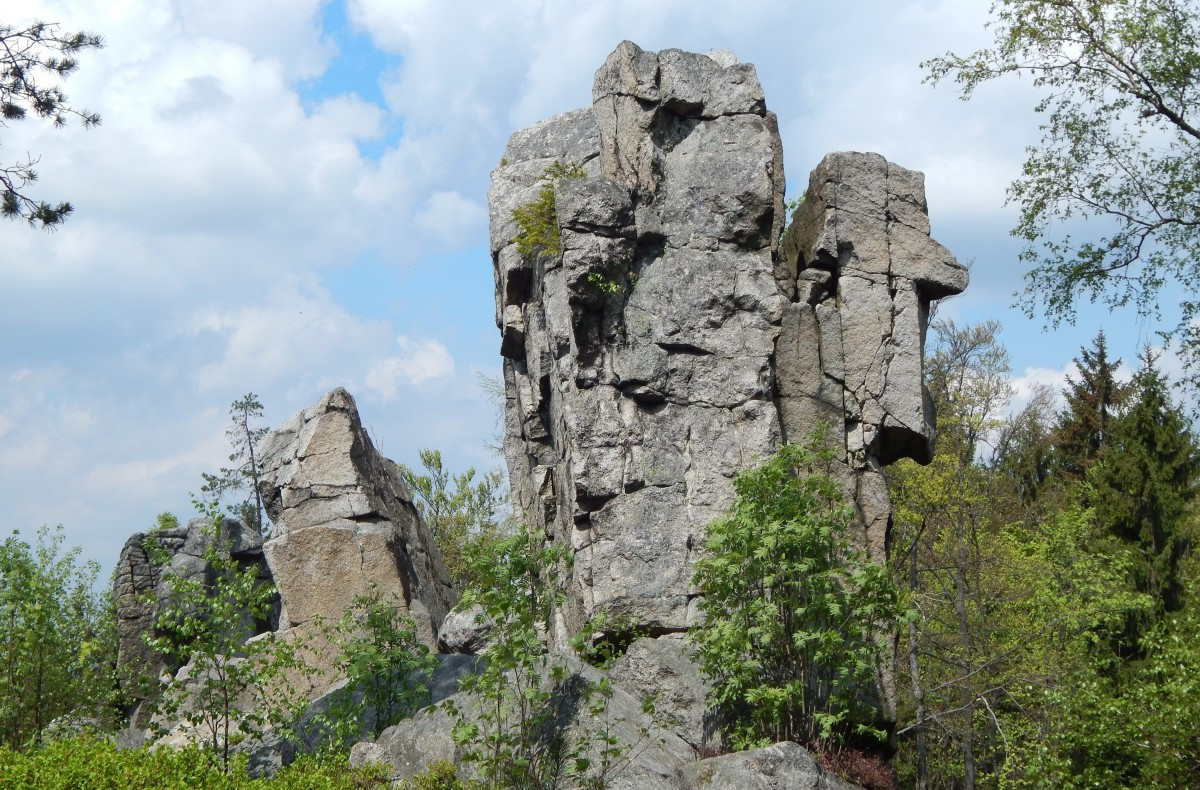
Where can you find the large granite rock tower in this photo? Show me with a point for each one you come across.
(676, 338)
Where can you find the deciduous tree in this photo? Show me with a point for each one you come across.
(458, 510)
(1120, 81)
(56, 638)
(792, 612)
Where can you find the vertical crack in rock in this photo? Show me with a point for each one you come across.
(678, 338)
(677, 218)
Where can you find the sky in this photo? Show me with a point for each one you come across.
(285, 196)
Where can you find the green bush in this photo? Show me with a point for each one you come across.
(459, 511)
(441, 775)
(515, 725)
(792, 612)
(95, 764)
(387, 669)
(206, 623)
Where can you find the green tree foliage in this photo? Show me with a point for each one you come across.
(537, 222)
(244, 434)
(1120, 80)
(460, 512)
(387, 667)
(967, 377)
(34, 60)
(509, 735)
(1093, 401)
(1011, 591)
(1143, 488)
(792, 612)
(1024, 450)
(56, 639)
(516, 724)
(231, 687)
(1132, 726)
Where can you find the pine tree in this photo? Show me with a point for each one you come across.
(244, 436)
(1143, 488)
(1092, 401)
(34, 61)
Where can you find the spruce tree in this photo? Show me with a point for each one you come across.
(1092, 401)
(1143, 487)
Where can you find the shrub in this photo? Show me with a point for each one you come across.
(96, 764)
(234, 688)
(538, 221)
(792, 612)
(387, 668)
(57, 638)
(525, 700)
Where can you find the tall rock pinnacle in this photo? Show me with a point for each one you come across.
(675, 338)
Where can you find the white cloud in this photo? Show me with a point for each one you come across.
(296, 334)
(452, 217)
(419, 361)
(1027, 384)
(224, 224)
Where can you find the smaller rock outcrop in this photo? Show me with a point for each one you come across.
(141, 589)
(345, 524)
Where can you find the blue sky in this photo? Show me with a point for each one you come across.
(290, 195)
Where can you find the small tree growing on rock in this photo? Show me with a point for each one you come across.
(386, 666)
(231, 687)
(244, 436)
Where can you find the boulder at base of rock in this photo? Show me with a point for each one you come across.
(782, 765)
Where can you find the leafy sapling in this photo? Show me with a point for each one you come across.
(793, 614)
(387, 669)
(231, 687)
(516, 727)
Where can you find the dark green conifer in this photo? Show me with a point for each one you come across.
(1143, 487)
(1092, 401)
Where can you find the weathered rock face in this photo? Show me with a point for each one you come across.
(780, 765)
(344, 522)
(638, 364)
(675, 340)
(139, 589)
(851, 348)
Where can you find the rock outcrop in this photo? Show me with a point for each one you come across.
(772, 767)
(675, 340)
(657, 745)
(139, 591)
(344, 526)
(344, 522)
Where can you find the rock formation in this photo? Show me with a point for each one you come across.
(344, 522)
(344, 525)
(658, 749)
(139, 589)
(675, 339)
